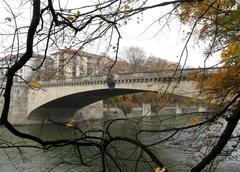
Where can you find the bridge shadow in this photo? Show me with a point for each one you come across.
(62, 109)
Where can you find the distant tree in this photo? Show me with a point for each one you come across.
(125, 104)
(122, 66)
(156, 64)
(138, 61)
(135, 56)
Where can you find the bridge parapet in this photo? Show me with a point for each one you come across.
(140, 77)
(120, 78)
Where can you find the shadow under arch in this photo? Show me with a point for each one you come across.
(63, 108)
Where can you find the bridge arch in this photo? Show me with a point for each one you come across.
(66, 96)
(67, 105)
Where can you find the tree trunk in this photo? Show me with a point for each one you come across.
(231, 125)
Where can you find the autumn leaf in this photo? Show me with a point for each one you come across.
(78, 13)
(98, 6)
(72, 18)
(126, 7)
(159, 169)
(70, 124)
(35, 84)
(230, 54)
(100, 23)
(8, 19)
(194, 122)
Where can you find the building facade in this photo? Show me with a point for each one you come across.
(72, 63)
(63, 64)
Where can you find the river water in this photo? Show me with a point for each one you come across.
(178, 154)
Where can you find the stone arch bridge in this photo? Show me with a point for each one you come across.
(64, 97)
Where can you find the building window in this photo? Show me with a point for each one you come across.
(74, 67)
(61, 65)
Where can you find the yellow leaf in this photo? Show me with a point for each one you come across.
(100, 23)
(103, 17)
(126, 7)
(98, 6)
(8, 19)
(35, 84)
(78, 13)
(70, 124)
(119, 98)
(194, 121)
(71, 18)
(159, 169)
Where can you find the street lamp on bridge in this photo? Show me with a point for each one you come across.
(110, 81)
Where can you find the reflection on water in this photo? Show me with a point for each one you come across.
(179, 153)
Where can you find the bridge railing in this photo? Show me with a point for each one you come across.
(160, 76)
(93, 80)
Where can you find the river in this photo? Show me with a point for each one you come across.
(178, 154)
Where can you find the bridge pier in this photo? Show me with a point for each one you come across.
(18, 106)
(202, 108)
(146, 109)
(179, 109)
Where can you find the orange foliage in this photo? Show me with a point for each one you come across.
(224, 13)
(218, 22)
(223, 84)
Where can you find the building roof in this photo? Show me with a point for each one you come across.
(77, 52)
(13, 58)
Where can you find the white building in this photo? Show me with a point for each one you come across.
(67, 63)
(72, 63)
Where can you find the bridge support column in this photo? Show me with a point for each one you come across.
(146, 109)
(18, 106)
(178, 108)
(202, 108)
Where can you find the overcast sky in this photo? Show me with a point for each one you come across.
(167, 44)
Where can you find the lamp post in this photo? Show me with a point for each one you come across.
(110, 81)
